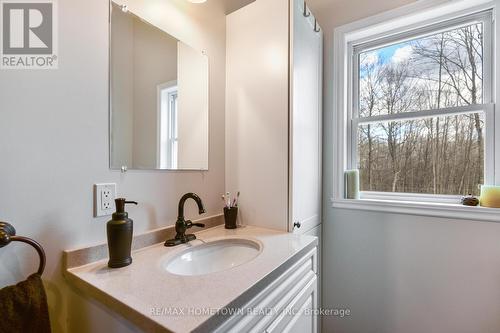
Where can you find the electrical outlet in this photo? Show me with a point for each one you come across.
(104, 199)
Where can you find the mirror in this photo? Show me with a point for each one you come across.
(158, 98)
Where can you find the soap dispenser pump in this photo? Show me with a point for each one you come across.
(119, 230)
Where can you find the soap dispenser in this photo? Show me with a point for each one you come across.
(119, 230)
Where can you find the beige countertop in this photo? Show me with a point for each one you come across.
(157, 300)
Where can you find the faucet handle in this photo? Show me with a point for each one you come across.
(190, 224)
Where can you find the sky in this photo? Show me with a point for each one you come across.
(392, 53)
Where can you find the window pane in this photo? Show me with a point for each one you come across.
(438, 71)
(435, 156)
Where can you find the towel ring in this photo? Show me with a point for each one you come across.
(8, 234)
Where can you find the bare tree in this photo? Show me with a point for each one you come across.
(442, 155)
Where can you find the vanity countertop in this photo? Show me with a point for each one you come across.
(157, 300)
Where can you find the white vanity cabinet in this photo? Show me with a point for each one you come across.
(273, 114)
(286, 304)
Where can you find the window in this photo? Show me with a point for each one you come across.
(421, 118)
(414, 91)
(168, 120)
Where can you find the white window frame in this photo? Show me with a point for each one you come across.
(420, 18)
(167, 154)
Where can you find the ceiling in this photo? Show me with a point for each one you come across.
(333, 13)
(232, 5)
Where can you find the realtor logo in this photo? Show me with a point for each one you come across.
(28, 35)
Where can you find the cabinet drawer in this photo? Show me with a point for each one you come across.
(269, 304)
(298, 316)
(287, 305)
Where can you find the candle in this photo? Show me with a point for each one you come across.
(490, 196)
(351, 178)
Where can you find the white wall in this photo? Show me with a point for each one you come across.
(257, 112)
(400, 273)
(54, 146)
(411, 274)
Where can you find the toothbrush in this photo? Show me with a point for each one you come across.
(228, 197)
(224, 199)
(237, 199)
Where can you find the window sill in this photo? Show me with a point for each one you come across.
(442, 210)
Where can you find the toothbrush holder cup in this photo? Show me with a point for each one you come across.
(230, 216)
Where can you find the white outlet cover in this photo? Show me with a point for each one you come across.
(104, 199)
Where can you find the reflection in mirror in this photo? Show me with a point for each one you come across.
(158, 98)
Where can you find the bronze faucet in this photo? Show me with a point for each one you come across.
(182, 225)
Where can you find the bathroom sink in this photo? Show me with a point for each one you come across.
(212, 257)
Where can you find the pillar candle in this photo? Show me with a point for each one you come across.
(351, 179)
(490, 196)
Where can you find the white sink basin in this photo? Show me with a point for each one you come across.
(212, 257)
